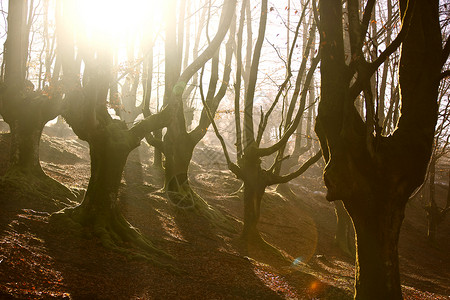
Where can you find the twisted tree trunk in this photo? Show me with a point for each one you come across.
(374, 175)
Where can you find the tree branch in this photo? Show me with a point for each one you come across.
(293, 126)
(276, 179)
(445, 52)
(232, 166)
(225, 21)
(152, 123)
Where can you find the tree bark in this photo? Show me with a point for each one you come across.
(253, 193)
(344, 236)
(26, 116)
(99, 210)
(374, 175)
(178, 151)
(157, 154)
(377, 266)
(25, 139)
(108, 158)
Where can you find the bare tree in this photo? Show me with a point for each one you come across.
(374, 175)
(249, 152)
(110, 141)
(178, 143)
(25, 109)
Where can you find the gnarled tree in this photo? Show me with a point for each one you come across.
(178, 143)
(374, 174)
(25, 109)
(110, 141)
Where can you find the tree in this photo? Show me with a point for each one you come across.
(374, 174)
(25, 109)
(110, 141)
(178, 143)
(249, 152)
(435, 213)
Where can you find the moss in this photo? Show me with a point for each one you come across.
(187, 199)
(114, 233)
(40, 185)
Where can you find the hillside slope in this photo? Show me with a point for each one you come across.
(40, 259)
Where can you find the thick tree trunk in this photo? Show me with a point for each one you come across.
(253, 193)
(178, 154)
(377, 265)
(26, 113)
(432, 227)
(99, 210)
(26, 118)
(108, 158)
(25, 139)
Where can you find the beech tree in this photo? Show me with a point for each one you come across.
(249, 152)
(110, 141)
(374, 174)
(25, 109)
(178, 142)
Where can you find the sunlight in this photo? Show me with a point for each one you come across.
(117, 19)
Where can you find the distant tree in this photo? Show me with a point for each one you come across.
(303, 135)
(373, 174)
(249, 152)
(436, 214)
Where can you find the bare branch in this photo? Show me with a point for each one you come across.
(287, 134)
(152, 123)
(232, 166)
(225, 21)
(276, 179)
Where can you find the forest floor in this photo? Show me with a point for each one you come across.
(41, 260)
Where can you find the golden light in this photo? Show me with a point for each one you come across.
(117, 20)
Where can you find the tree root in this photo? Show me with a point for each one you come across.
(255, 243)
(41, 185)
(284, 189)
(239, 191)
(114, 233)
(187, 199)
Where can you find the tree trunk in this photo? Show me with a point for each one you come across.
(432, 211)
(157, 154)
(432, 227)
(108, 159)
(377, 266)
(178, 153)
(133, 171)
(344, 236)
(253, 192)
(25, 139)
(99, 210)
(26, 118)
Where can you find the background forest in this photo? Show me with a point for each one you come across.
(206, 149)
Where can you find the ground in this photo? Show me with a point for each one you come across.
(41, 259)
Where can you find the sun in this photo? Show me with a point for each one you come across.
(118, 19)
